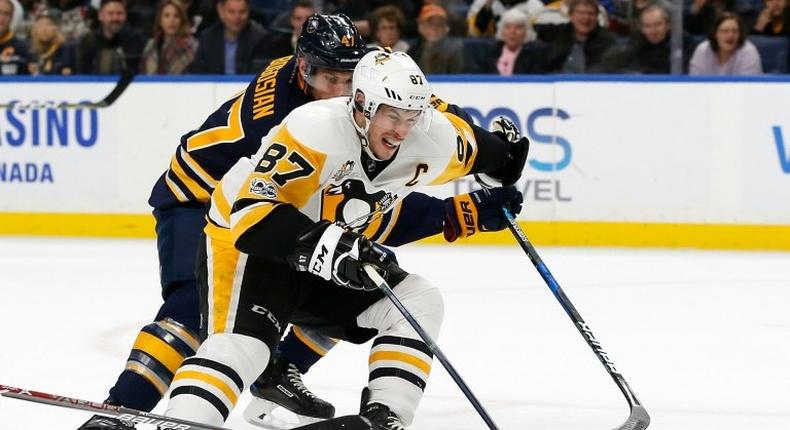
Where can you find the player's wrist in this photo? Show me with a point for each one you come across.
(460, 216)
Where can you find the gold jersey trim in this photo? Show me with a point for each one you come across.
(232, 132)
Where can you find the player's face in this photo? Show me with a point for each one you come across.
(328, 83)
(170, 20)
(389, 128)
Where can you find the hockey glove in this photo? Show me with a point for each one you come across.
(335, 254)
(516, 157)
(481, 210)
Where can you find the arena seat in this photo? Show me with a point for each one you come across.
(773, 52)
(474, 53)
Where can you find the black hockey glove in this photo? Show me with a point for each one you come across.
(481, 210)
(515, 158)
(335, 254)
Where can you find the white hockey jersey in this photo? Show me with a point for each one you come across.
(313, 161)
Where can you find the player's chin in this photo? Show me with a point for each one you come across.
(388, 147)
(385, 152)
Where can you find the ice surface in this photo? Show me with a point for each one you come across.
(703, 337)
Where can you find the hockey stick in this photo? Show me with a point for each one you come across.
(133, 416)
(126, 78)
(638, 419)
(384, 287)
(128, 415)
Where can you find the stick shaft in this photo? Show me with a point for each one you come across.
(120, 86)
(573, 314)
(385, 288)
(122, 413)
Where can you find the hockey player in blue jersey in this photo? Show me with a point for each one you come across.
(327, 51)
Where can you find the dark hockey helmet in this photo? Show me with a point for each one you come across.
(331, 42)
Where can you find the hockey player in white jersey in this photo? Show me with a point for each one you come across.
(290, 228)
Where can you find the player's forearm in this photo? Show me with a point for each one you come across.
(420, 216)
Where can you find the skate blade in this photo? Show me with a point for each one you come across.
(271, 416)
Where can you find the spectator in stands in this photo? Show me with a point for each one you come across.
(22, 20)
(436, 52)
(483, 15)
(387, 22)
(774, 19)
(17, 17)
(75, 18)
(234, 45)
(516, 50)
(578, 46)
(625, 18)
(558, 12)
(202, 14)
(726, 51)
(359, 11)
(172, 48)
(647, 51)
(14, 54)
(113, 47)
(703, 13)
(51, 54)
(281, 41)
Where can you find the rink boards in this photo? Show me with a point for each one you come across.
(613, 161)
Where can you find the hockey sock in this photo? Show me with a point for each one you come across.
(304, 347)
(208, 385)
(158, 351)
(399, 370)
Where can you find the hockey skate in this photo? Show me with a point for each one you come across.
(280, 399)
(98, 422)
(381, 417)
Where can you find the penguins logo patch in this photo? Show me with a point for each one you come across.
(381, 58)
(350, 200)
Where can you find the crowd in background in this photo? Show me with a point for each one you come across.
(504, 37)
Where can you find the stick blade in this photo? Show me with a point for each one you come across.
(346, 422)
(638, 420)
